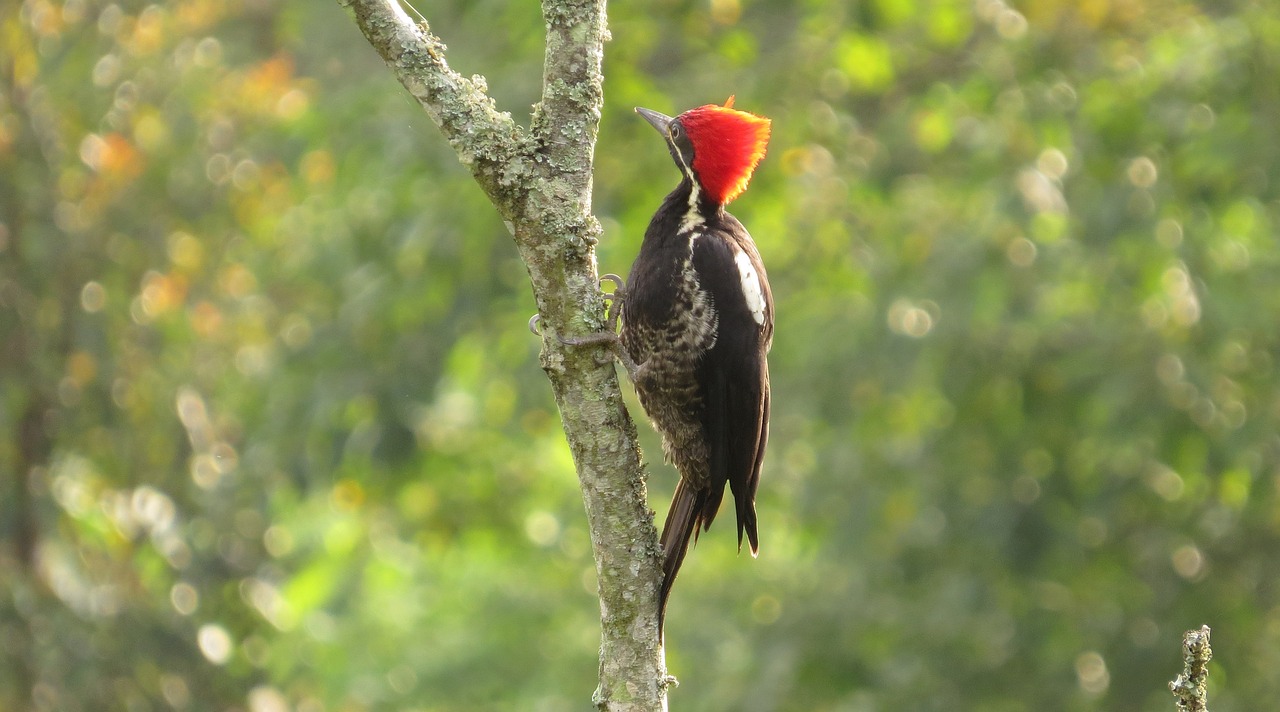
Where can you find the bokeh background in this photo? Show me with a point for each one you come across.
(273, 434)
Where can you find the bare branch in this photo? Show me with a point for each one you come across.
(1190, 688)
(485, 139)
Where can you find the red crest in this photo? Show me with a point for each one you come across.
(727, 145)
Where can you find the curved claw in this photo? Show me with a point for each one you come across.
(618, 284)
(614, 298)
(535, 324)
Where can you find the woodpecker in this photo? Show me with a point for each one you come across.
(697, 324)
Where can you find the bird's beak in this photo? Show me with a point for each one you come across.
(655, 119)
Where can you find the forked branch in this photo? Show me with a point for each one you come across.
(540, 182)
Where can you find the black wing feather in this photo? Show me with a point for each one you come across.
(735, 372)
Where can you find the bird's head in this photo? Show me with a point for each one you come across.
(718, 147)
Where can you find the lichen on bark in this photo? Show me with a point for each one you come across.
(1190, 689)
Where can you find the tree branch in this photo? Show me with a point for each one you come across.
(540, 182)
(487, 140)
(1190, 688)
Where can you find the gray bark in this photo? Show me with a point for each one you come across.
(539, 180)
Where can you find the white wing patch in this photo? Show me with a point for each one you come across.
(750, 285)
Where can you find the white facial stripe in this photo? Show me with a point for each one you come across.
(750, 285)
(693, 218)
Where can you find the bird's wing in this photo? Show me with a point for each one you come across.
(734, 372)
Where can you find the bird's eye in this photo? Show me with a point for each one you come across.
(676, 131)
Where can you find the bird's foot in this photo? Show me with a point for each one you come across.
(612, 317)
(635, 371)
(610, 334)
(616, 298)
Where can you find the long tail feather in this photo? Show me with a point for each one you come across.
(682, 524)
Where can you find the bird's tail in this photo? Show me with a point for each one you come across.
(682, 523)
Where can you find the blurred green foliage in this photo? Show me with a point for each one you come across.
(273, 435)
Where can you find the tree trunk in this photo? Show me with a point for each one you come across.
(539, 180)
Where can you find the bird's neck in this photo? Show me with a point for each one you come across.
(687, 209)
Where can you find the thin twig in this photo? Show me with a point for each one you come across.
(1190, 687)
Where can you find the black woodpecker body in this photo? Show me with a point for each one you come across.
(698, 321)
